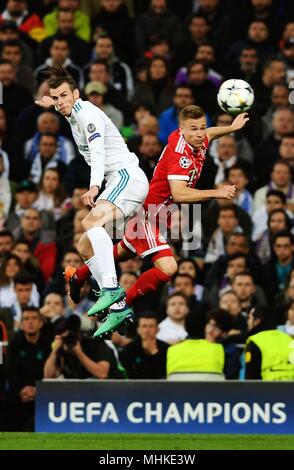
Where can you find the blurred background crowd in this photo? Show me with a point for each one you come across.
(141, 62)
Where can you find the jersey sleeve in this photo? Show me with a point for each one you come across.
(94, 128)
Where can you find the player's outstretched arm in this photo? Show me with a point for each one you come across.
(45, 102)
(237, 124)
(181, 193)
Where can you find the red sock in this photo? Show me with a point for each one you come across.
(147, 282)
(115, 252)
(83, 273)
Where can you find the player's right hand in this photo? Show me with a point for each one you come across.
(227, 192)
(45, 102)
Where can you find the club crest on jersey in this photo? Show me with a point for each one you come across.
(91, 128)
(185, 162)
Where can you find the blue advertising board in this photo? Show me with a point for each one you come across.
(165, 407)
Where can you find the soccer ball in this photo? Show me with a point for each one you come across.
(235, 96)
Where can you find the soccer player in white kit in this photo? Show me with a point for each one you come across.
(104, 149)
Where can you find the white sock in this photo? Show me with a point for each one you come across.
(102, 263)
(91, 265)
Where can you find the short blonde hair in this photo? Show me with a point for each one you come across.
(191, 112)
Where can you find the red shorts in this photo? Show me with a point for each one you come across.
(144, 239)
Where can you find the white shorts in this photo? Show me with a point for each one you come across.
(126, 189)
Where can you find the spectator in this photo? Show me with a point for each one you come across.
(244, 149)
(172, 330)
(10, 266)
(229, 301)
(81, 21)
(12, 51)
(195, 355)
(41, 246)
(113, 18)
(257, 37)
(238, 176)
(275, 199)
(30, 263)
(157, 18)
(48, 122)
(15, 97)
(26, 356)
(169, 119)
(157, 91)
(47, 158)
(17, 11)
(277, 270)
(225, 158)
(51, 195)
(267, 349)
(120, 72)
(26, 195)
(235, 263)
(53, 307)
(218, 21)
(247, 67)
(279, 99)
(206, 54)
(227, 224)
(99, 72)
(59, 56)
(76, 356)
(287, 54)
(198, 33)
(95, 93)
(243, 285)
(281, 179)
(288, 326)
(79, 48)
(6, 243)
(286, 149)
(278, 220)
(145, 356)
(273, 72)
(149, 153)
(203, 90)
(8, 31)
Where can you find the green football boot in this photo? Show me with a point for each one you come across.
(115, 320)
(107, 297)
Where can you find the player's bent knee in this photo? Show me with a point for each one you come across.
(167, 265)
(84, 249)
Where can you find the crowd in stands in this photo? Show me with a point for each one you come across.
(141, 62)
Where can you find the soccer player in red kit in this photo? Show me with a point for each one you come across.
(174, 178)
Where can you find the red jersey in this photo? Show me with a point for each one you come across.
(178, 161)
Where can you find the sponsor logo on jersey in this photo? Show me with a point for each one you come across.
(94, 136)
(185, 162)
(91, 128)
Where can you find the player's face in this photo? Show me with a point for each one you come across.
(64, 98)
(193, 131)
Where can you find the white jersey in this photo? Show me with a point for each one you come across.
(99, 141)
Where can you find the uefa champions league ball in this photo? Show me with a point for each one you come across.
(235, 96)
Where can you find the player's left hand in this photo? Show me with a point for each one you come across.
(89, 196)
(240, 121)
